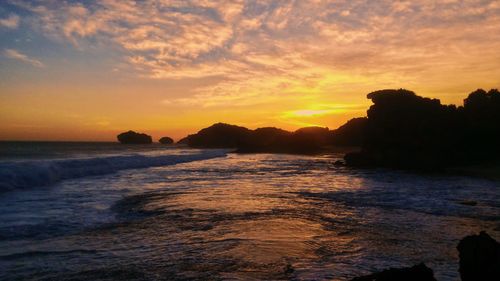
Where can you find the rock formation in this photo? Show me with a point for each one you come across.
(132, 137)
(273, 140)
(219, 135)
(166, 140)
(479, 258)
(404, 130)
(479, 261)
(351, 133)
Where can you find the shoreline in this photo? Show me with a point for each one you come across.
(489, 172)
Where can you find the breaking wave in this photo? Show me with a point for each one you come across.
(33, 173)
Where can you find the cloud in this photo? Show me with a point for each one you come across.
(261, 50)
(14, 54)
(11, 21)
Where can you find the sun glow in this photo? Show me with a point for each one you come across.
(308, 112)
(80, 70)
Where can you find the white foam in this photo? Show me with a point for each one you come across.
(27, 174)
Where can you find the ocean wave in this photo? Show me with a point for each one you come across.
(27, 174)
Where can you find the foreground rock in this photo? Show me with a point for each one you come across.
(132, 137)
(479, 258)
(479, 261)
(418, 272)
(166, 140)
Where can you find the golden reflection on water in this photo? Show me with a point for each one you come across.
(261, 204)
(277, 239)
(278, 217)
(234, 199)
(271, 228)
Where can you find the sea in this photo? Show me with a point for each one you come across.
(106, 211)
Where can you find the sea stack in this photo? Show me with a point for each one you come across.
(132, 137)
(166, 140)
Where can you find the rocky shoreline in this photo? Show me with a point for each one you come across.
(402, 130)
(479, 261)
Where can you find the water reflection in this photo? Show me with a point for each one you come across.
(260, 217)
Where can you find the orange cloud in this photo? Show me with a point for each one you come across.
(269, 58)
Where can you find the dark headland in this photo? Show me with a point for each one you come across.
(274, 140)
(401, 130)
(408, 131)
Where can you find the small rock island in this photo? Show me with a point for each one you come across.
(166, 140)
(132, 137)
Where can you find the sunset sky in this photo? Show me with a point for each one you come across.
(87, 70)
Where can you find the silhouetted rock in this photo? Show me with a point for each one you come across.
(479, 258)
(316, 136)
(404, 130)
(274, 140)
(184, 140)
(166, 140)
(219, 135)
(132, 137)
(418, 272)
(479, 261)
(351, 133)
(268, 139)
(303, 141)
(481, 125)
